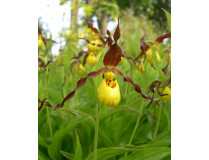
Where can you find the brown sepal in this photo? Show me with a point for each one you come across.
(113, 56)
(161, 38)
(108, 32)
(116, 35)
(165, 69)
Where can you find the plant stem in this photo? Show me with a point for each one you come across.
(158, 123)
(47, 108)
(136, 126)
(98, 110)
(63, 82)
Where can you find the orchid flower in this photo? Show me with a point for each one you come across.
(108, 91)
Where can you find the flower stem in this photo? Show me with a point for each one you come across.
(136, 126)
(98, 110)
(63, 82)
(158, 123)
(47, 108)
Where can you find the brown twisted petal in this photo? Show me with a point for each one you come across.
(144, 46)
(80, 54)
(84, 59)
(136, 86)
(80, 83)
(45, 103)
(41, 63)
(167, 82)
(72, 64)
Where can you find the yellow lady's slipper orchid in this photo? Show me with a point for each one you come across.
(80, 70)
(91, 59)
(166, 91)
(108, 91)
(140, 67)
(149, 56)
(40, 43)
(93, 48)
(121, 61)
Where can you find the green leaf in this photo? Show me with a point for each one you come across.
(107, 153)
(70, 156)
(157, 66)
(167, 111)
(42, 156)
(78, 151)
(41, 141)
(160, 143)
(55, 146)
(168, 16)
(156, 153)
(116, 110)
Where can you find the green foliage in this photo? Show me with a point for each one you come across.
(168, 16)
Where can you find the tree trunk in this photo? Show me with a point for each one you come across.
(74, 16)
(90, 2)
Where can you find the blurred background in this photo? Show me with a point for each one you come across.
(59, 19)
